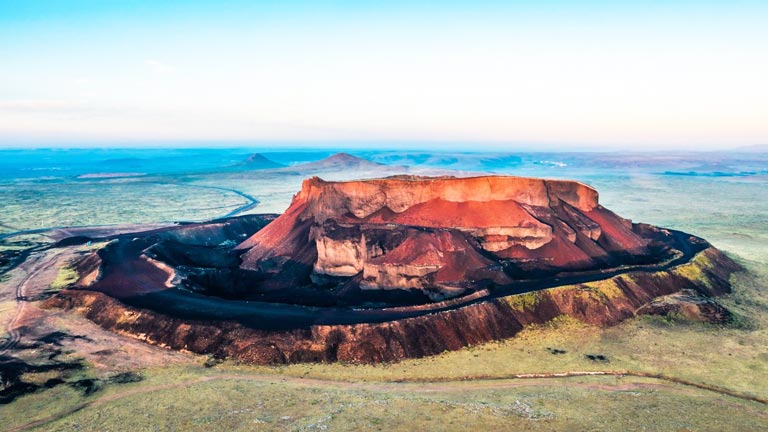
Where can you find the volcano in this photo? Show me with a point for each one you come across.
(384, 269)
(442, 236)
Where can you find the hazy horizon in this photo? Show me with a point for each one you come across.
(357, 146)
(497, 76)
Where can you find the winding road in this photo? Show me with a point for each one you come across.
(33, 266)
(252, 202)
(151, 293)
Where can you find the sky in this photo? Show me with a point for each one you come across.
(543, 74)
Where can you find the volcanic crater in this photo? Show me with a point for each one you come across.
(385, 269)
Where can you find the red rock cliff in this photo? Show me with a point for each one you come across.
(369, 228)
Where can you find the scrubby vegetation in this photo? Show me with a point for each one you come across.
(66, 277)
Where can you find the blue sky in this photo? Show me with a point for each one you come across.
(627, 75)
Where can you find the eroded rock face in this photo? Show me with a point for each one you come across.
(444, 235)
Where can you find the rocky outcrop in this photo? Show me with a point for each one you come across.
(442, 235)
(688, 305)
(339, 257)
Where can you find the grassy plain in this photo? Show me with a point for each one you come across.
(33, 205)
(580, 404)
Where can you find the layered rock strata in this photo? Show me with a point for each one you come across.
(441, 234)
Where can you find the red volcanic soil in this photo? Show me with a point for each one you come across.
(384, 269)
(439, 213)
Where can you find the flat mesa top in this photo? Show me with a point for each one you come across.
(398, 193)
(497, 178)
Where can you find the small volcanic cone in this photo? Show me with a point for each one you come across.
(259, 161)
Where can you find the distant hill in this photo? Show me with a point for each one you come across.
(339, 161)
(258, 161)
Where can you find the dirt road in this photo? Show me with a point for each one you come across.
(39, 271)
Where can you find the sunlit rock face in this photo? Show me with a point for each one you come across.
(441, 234)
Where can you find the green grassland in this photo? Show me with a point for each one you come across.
(103, 202)
(243, 405)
